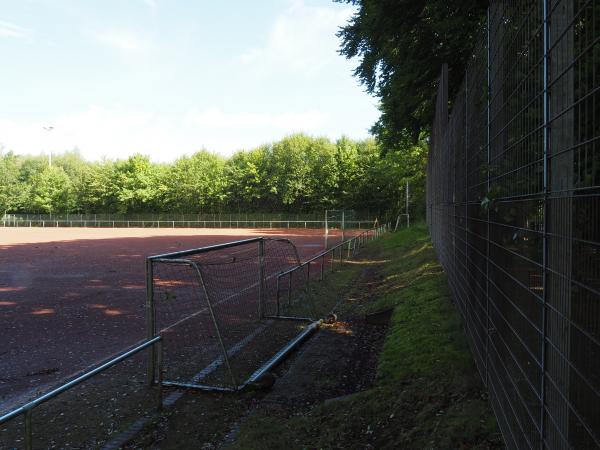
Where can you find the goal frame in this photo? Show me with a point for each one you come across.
(179, 258)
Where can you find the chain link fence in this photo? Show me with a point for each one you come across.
(513, 206)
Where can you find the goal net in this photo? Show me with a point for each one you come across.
(217, 309)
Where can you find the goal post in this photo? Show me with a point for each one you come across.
(400, 219)
(341, 224)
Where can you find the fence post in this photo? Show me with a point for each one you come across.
(159, 358)
(28, 430)
(150, 321)
(487, 235)
(326, 230)
(261, 279)
(277, 296)
(332, 259)
(343, 224)
(546, 140)
(290, 289)
(322, 267)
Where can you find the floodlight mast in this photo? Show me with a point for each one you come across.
(49, 129)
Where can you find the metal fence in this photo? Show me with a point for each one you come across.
(513, 206)
(180, 221)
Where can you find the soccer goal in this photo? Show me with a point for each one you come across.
(342, 224)
(217, 310)
(401, 221)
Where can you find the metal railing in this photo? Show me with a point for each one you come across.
(349, 247)
(27, 409)
(513, 207)
(182, 221)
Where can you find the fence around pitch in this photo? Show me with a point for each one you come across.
(513, 205)
(217, 309)
(12, 221)
(224, 220)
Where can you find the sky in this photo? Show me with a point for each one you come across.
(167, 78)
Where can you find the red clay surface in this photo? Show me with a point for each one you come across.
(71, 297)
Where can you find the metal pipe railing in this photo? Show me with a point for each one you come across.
(27, 409)
(351, 246)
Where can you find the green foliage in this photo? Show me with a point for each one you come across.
(12, 192)
(299, 173)
(401, 45)
(50, 191)
(195, 183)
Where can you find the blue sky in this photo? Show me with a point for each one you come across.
(169, 77)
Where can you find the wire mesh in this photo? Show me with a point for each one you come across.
(212, 308)
(513, 205)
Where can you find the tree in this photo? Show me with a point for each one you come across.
(246, 173)
(12, 191)
(98, 192)
(401, 45)
(76, 169)
(349, 175)
(51, 191)
(297, 173)
(196, 183)
(288, 171)
(135, 182)
(301, 172)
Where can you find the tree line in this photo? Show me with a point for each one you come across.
(298, 173)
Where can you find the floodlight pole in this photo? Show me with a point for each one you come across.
(49, 129)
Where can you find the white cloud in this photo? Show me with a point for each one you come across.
(8, 29)
(302, 38)
(123, 40)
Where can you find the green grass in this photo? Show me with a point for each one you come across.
(427, 392)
